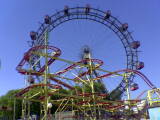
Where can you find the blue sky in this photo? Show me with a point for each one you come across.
(19, 17)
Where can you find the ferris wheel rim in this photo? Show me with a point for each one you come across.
(96, 15)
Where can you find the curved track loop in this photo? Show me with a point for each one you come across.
(136, 72)
(27, 56)
(109, 104)
(35, 86)
(57, 53)
(147, 81)
(99, 63)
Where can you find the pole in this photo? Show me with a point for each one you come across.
(127, 87)
(14, 110)
(46, 78)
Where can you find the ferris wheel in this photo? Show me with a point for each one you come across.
(77, 70)
(56, 61)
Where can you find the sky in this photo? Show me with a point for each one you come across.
(19, 17)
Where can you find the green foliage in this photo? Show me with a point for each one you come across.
(115, 94)
(8, 99)
(35, 108)
(98, 87)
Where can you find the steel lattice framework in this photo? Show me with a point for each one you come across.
(93, 104)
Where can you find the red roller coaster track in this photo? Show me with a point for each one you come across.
(57, 54)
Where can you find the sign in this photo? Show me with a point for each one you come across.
(154, 113)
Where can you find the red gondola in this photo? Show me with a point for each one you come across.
(87, 9)
(66, 10)
(124, 27)
(31, 80)
(47, 19)
(107, 15)
(135, 44)
(134, 87)
(33, 35)
(140, 65)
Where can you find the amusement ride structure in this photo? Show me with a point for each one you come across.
(83, 101)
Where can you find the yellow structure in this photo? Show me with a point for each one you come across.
(153, 96)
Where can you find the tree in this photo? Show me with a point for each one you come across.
(8, 101)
